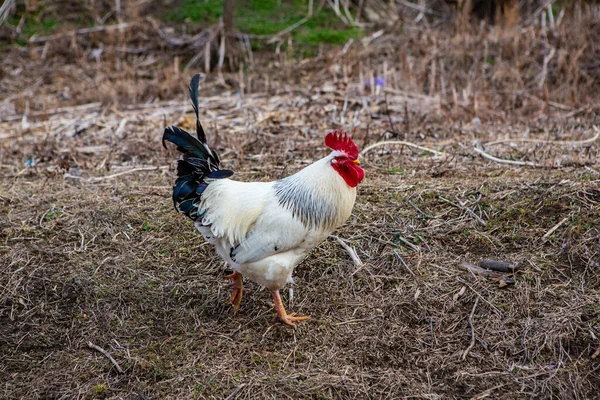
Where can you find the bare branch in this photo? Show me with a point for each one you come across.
(107, 355)
(511, 162)
(409, 144)
(472, 329)
(557, 142)
(351, 252)
(555, 227)
(103, 178)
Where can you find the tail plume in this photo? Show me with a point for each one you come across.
(198, 166)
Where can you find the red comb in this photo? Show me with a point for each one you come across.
(340, 141)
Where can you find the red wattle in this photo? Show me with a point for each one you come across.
(350, 172)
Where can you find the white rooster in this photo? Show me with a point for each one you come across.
(262, 230)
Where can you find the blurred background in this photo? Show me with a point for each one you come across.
(487, 56)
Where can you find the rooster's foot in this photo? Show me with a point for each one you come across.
(238, 289)
(286, 318)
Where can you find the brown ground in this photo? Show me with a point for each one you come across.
(87, 255)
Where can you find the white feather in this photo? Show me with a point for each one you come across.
(266, 238)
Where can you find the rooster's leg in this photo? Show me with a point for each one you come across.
(285, 317)
(238, 289)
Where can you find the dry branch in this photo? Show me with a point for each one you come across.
(82, 31)
(472, 213)
(235, 392)
(6, 9)
(502, 279)
(288, 30)
(103, 178)
(107, 355)
(511, 162)
(419, 8)
(557, 142)
(61, 110)
(400, 142)
(409, 244)
(351, 252)
(478, 270)
(555, 227)
(545, 68)
(472, 329)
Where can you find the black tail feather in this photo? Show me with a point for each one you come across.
(198, 164)
(194, 96)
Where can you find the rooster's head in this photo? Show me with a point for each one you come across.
(345, 157)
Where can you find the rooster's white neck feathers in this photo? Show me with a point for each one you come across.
(318, 196)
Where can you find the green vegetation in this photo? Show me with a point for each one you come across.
(32, 25)
(99, 390)
(197, 11)
(146, 226)
(395, 170)
(50, 215)
(267, 17)
(255, 17)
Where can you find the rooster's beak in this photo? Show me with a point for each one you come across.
(356, 162)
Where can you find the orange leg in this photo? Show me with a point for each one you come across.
(238, 289)
(283, 316)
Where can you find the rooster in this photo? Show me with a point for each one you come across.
(262, 230)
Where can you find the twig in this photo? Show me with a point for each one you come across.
(301, 22)
(354, 321)
(478, 270)
(417, 209)
(366, 41)
(348, 14)
(288, 30)
(409, 244)
(545, 68)
(555, 227)
(387, 111)
(558, 142)
(416, 146)
(463, 205)
(62, 110)
(502, 279)
(83, 31)
(8, 7)
(351, 252)
(511, 162)
(106, 354)
(404, 263)
(346, 47)
(43, 216)
(419, 8)
(487, 392)
(102, 178)
(472, 329)
(235, 392)
(335, 6)
(121, 128)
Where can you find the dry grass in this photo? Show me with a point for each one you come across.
(108, 261)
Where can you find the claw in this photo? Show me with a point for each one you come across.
(289, 319)
(286, 318)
